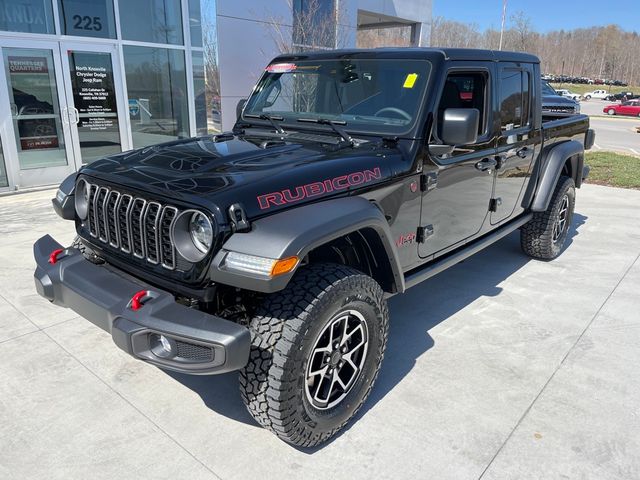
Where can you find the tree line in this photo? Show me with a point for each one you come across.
(597, 52)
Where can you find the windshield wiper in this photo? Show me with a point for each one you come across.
(335, 126)
(272, 119)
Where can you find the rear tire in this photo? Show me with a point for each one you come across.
(611, 111)
(294, 335)
(544, 236)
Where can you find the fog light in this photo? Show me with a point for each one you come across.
(162, 346)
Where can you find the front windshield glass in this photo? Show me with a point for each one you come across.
(548, 89)
(369, 95)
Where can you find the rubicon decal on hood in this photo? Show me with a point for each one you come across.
(314, 189)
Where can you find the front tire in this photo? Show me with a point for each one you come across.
(544, 236)
(611, 111)
(316, 351)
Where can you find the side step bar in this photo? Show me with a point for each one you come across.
(429, 270)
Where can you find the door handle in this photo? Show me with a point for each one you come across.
(486, 164)
(77, 115)
(523, 152)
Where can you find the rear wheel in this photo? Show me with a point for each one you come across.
(611, 111)
(545, 235)
(316, 351)
(588, 97)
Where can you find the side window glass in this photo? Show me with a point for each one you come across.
(515, 99)
(464, 90)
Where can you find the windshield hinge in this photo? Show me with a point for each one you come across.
(428, 181)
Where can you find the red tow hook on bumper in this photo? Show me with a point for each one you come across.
(137, 300)
(53, 258)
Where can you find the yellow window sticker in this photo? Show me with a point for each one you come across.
(410, 81)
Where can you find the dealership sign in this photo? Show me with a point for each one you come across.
(28, 65)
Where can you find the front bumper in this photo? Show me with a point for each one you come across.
(201, 343)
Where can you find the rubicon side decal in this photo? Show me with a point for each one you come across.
(292, 195)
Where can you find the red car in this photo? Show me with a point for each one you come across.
(631, 107)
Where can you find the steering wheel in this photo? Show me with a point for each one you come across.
(400, 112)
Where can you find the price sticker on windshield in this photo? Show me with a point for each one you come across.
(410, 81)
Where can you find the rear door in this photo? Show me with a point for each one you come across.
(517, 139)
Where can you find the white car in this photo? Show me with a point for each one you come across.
(569, 94)
(599, 94)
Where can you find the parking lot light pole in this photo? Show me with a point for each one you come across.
(504, 15)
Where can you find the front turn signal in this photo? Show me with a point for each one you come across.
(284, 266)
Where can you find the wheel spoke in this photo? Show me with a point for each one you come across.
(343, 341)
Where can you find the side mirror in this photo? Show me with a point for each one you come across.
(460, 126)
(239, 107)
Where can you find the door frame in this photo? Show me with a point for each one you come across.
(43, 175)
(124, 128)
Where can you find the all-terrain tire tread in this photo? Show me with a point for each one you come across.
(268, 384)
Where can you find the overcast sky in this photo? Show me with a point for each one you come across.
(545, 14)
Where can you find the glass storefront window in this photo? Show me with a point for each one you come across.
(195, 21)
(155, 21)
(157, 91)
(32, 16)
(94, 97)
(87, 18)
(33, 93)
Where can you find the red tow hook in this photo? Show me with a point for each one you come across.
(136, 300)
(53, 258)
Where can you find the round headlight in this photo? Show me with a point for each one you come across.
(193, 235)
(81, 199)
(201, 232)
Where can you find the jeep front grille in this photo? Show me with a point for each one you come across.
(133, 225)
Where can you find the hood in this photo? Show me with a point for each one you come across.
(263, 174)
(557, 100)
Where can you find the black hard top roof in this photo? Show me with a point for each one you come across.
(418, 53)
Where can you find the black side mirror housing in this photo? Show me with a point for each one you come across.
(460, 126)
(241, 103)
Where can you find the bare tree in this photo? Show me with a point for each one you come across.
(314, 27)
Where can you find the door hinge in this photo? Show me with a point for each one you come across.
(494, 203)
(428, 181)
(424, 233)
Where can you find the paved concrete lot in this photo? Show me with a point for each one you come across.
(499, 368)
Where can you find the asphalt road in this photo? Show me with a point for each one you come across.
(615, 133)
(499, 368)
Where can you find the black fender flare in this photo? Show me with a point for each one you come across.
(552, 163)
(298, 231)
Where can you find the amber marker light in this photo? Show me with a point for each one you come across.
(284, 266)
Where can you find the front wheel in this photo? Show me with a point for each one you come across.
(611, 111)
(588, 97)
(316, 351)
(544, 236)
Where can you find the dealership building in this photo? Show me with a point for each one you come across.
(81, 79)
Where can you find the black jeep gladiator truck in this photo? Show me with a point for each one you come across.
(349, 177)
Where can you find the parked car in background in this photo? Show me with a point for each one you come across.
(556, 106)
(569, 94)
(631, 107)
(621, 97)
(599, 94)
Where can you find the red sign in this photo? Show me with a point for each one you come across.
(28, 65)
(38, 143)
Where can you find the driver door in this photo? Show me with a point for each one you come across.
(456, 203)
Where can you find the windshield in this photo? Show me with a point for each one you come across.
(547, 89)
(372, 95)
